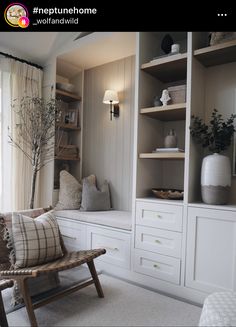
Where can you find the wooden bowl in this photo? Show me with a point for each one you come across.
(170, 194)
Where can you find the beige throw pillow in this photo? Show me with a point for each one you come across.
(36, 240)
(70, 192)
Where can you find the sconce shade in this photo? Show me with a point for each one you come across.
(110, 96)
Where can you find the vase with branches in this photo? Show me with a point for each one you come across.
(33, 133)
(216, 169)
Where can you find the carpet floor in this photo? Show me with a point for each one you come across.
(124, 305)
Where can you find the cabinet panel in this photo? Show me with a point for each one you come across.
(159, 215)
(117, 245)
(158, 240)
(74, 234)
(211, 250)
(158, 266)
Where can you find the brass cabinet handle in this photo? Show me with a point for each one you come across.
(158, 216)
(156, 266)
(157, 241)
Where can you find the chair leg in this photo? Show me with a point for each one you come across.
(22, 283)
(95, 278)
(3, 318)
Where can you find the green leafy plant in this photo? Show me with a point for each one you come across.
(217, 136)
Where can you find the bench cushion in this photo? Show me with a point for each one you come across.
(111, 218)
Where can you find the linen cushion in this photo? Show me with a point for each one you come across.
(37, 240)
(70, 192)
(94, 199)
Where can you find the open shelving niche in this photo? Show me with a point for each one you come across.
(160, 170)
(213, 86)
(71, 132)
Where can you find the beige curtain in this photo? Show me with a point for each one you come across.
(23, 80)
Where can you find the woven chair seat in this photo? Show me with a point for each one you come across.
(69, 260)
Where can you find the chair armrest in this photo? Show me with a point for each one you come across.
(5, 284)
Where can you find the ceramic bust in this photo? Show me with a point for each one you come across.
(165, 97)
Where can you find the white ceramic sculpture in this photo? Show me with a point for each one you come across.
(165, 97)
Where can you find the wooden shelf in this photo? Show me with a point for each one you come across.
(68, 127)
(166, 113)
(67, 158)
(66, 96)
(167, 69)
(162, 155)
(217, 54)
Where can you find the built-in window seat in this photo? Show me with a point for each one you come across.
(111, 218)
(99, 229)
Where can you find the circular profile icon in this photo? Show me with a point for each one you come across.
(16, 15)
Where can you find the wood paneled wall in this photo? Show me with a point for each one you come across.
(108, 145)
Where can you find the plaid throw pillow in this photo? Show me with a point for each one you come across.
(36, 240)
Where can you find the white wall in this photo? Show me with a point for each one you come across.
(108, 145)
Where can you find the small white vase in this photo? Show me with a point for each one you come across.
(171, 139)
(215, 179)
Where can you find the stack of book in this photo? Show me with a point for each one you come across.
(168, 150)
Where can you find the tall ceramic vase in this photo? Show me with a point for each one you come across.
(215, 179)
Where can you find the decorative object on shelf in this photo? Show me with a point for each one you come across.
(156, 101)
(170, 194)
(220, 37)
(66, 87)
(165, 98)
(177, 93)
(216, 169)
(166, 43)
(175, 48)
(111, 98)
(71, 117)
(171, 139)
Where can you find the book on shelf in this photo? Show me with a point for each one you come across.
(168, 150)
(165, 55)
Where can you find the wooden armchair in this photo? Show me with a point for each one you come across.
(3, 285)
(68, 261)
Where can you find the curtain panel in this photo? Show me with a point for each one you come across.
(17, 81)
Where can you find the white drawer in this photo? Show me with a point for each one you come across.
(73, 233)
(162, 216)
(157, 266)
(117, 245)
(158, 241)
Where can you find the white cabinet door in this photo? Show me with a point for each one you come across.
(117, 245)
(157, 266)
(73, 233)
(211, 250)
(157, 215)
(158, 241)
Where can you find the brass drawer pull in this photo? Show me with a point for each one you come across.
(108, 248)
(157, 241)
(156, 266)
(70, 237)
(159, 216)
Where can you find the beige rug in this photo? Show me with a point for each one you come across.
(124, 305)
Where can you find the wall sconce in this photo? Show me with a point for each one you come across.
(111, 98)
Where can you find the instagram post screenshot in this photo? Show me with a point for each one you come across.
(117, 164)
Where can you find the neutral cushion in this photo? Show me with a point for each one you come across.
(112, 218)
(94, 199)
(70, 192)
(36, 240)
